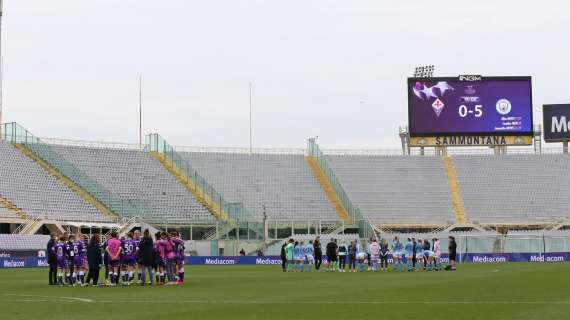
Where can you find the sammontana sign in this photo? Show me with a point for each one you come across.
(444, 141)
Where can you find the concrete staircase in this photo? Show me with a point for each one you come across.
(456, 199)
(197, 191)
(327, 188)
(5, 203)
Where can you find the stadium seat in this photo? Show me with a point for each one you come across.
(37, 193)
(284, 183)
(23, 241)
(396, 189)
(134, 175)
(524, 188)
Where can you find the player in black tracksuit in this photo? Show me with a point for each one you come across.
(332, 250)
(384, 255)
(318, 253)
(284, 257)
(452, 252)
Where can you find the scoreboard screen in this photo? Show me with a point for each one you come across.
(470, 106)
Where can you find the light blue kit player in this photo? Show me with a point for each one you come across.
(309, 255)
(409, 253)
(299, 256)
(397, 248)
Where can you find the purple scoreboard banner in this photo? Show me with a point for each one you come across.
(28, 262)
(470, 106)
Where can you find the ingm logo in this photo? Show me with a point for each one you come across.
(470, 78)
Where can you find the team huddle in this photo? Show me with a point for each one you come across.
(412, 255)
(123, 258)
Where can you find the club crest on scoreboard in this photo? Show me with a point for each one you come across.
(503, 106)
(437, 106)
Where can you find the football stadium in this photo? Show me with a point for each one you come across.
(468, 218)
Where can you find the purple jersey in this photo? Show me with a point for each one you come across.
(79, 252)
(136, 242)
(129, 248)
(79, 249)
(129, 252)
(61, 252)
(178, 249)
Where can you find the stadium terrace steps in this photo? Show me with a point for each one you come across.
(196, 190)
(396, 190)
(67, 182)
(280, 185)
(10, 210)
(23, 242)
(515, 189)
(456, 199)
(38, 194)
(136, 177)
(327, 188)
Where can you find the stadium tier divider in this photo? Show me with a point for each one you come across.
(354, 213)
(21, 137)
(230, 215)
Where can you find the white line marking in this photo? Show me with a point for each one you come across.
(51, 297)
(246, 302)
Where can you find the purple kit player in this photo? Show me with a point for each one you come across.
(136, 242)
(61, 252)
(79, 257)
(129, 258)
(179, 251)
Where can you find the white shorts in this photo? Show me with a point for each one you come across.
(310, 259)
(397, 254)
(428, 253)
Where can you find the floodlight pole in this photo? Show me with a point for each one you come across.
(1, 82)
(250, 125)
(140, 112)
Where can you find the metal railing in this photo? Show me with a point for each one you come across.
(314, 151)
(234, 211)
(552, 149)
(16, 134)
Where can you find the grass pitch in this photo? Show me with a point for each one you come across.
(491, 291)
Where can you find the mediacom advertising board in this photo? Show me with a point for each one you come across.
(30, 262)
(470, 110)
(556, 122)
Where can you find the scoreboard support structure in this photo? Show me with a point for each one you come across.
(442, 150)
(537, 139)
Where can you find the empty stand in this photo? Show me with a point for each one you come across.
(396, 189)
(284, 183)
(5, 213)
(37, 193)
(23, 241)
(515, 188)
(133, 175)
